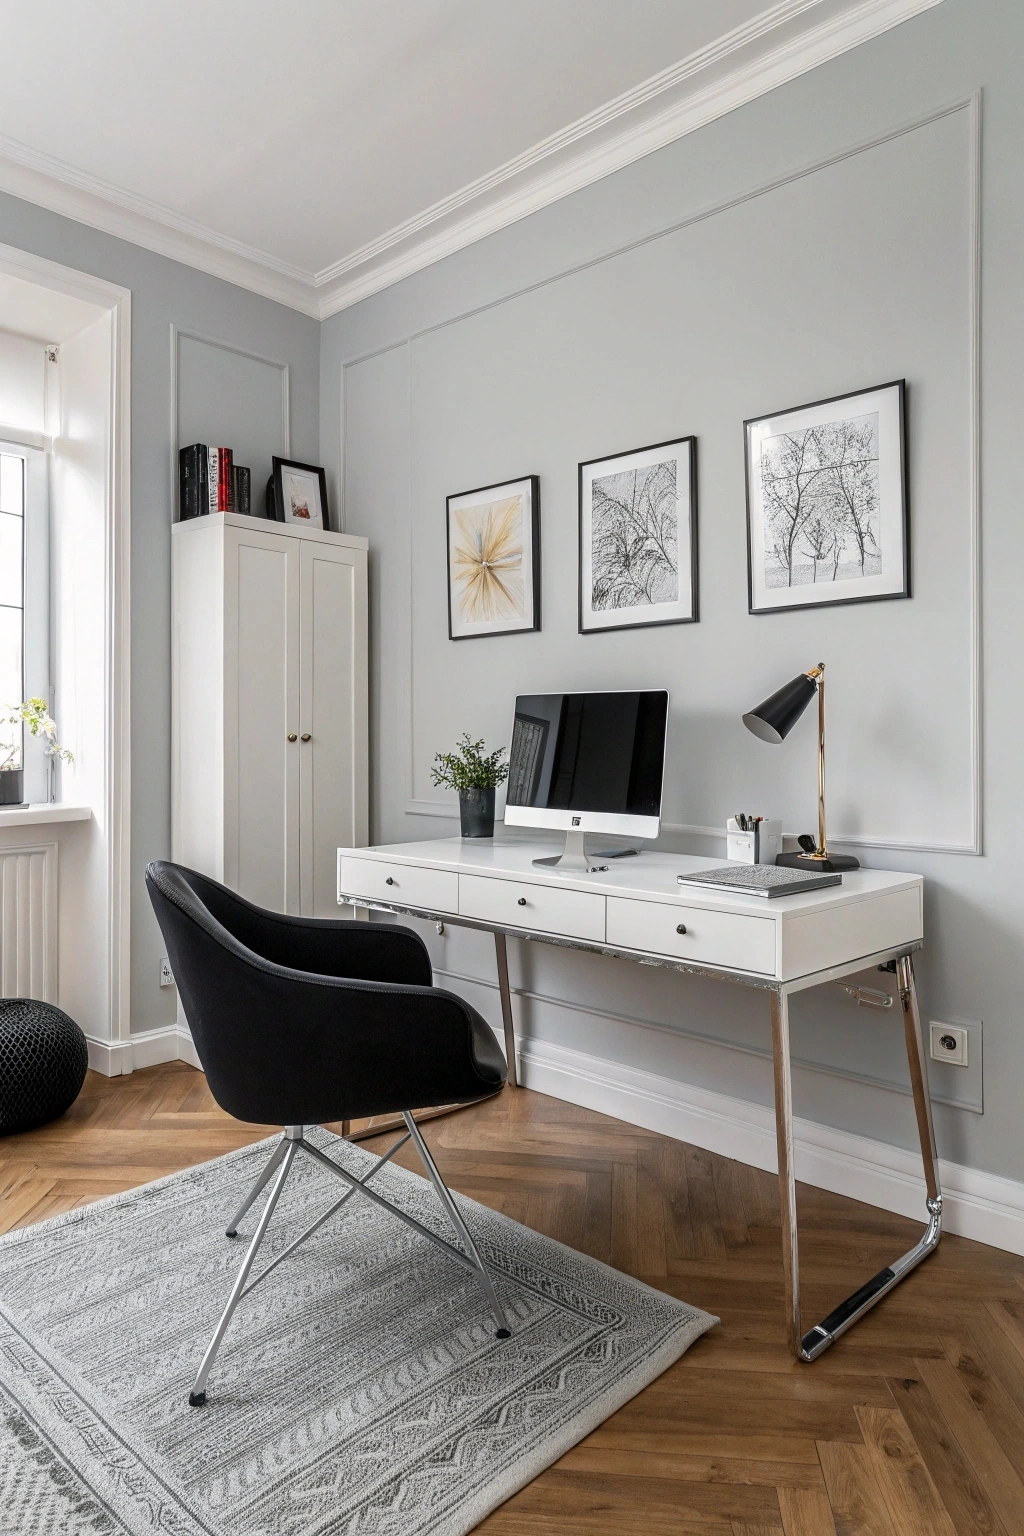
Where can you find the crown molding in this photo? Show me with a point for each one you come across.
(64, 189)
(783, 42)
(786, 41)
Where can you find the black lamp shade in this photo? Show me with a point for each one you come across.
(775, 718)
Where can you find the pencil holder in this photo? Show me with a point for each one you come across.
(762, 845)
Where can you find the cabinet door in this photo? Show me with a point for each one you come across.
(332, 713)
(261, 766)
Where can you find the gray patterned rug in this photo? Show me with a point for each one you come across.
(360, 1390)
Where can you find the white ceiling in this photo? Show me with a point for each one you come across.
(314, 137)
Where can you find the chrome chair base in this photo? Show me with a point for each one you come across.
(291, 1144)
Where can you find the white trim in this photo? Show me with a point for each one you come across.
(656, 113)
(117, 600)
(783, 42)
(179, 333)
(975, 1204)
(52, 183)
(118, 1058)
(45, 812)
(416, 806)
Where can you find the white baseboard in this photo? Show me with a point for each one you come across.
(116, 1058)
(980, 1205)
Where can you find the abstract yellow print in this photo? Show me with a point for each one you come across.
(487, 561)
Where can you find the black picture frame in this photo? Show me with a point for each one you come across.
(310, 469)
(688, 452)
(903, 519)
(534, 562)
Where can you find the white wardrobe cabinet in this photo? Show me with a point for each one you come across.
(269, 707)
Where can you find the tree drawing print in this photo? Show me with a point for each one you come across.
(822, 503)
(635, 537)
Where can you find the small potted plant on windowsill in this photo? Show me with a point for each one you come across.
(476, 778)
(33, 713)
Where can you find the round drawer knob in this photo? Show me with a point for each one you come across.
(390, 880)
(306, 736)
(522, 901)
(681, 928)
(292, 736)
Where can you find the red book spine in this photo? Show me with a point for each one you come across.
(225, 480)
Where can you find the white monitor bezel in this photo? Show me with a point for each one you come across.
(593, 821)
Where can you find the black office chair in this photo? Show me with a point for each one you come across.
(301, 1021)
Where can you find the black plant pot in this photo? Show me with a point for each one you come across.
(476, 808)
(12, 787)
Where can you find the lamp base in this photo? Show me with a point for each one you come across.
(832, 865)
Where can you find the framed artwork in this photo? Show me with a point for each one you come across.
(638, 538)
(300, 494)
(828, 515)
(494, 559)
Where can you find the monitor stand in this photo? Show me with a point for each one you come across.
(573, 858)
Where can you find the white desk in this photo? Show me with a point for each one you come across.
(636, 910)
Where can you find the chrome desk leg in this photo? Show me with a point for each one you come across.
(812, 1344)
(501, 954)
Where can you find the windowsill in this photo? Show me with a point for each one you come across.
(35, 815)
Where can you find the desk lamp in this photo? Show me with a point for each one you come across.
(772, 721)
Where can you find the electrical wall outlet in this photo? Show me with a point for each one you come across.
(166, 974)
(949, 1043)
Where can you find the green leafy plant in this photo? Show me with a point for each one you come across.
(468, 768)
(33, 713)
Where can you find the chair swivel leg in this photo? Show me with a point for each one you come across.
(257, 1189)
(455, 1217)
(197, 1397)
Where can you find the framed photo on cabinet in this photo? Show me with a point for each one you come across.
(828, 514)
(300, 494)
(638, 538)
(493, 537)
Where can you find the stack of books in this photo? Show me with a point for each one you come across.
(209, 480)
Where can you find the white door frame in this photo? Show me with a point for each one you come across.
(117, 604)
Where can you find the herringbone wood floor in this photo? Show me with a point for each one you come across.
(913, 1425)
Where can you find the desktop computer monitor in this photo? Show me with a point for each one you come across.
(588, 762)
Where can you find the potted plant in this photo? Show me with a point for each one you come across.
(33, 713)
(476, 778)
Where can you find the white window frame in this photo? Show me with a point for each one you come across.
(40, 777)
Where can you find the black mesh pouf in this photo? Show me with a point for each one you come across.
(43, 1061)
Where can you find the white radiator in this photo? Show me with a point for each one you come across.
(28, 922)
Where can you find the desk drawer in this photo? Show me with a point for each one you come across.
(577, 914)
(712, 938)
(435, 889)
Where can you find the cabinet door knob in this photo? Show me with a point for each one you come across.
(681, 928)
(522, 901)
(292, 736)
(390, 880)
(306, 736)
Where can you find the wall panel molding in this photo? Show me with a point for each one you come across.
(178, 335)
(417, 805)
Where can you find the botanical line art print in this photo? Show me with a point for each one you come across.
(822, 503)
(828, 517)
(635, 560)
(638, 537)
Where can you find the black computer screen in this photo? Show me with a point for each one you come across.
(589, 752)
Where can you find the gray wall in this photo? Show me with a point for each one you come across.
(820, 240)
(165, 293)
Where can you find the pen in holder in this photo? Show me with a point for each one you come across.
(753, 839)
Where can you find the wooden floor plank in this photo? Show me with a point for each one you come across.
(906, 1484)
(913, 1422)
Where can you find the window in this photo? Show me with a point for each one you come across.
(24, 601)
(12, 590)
